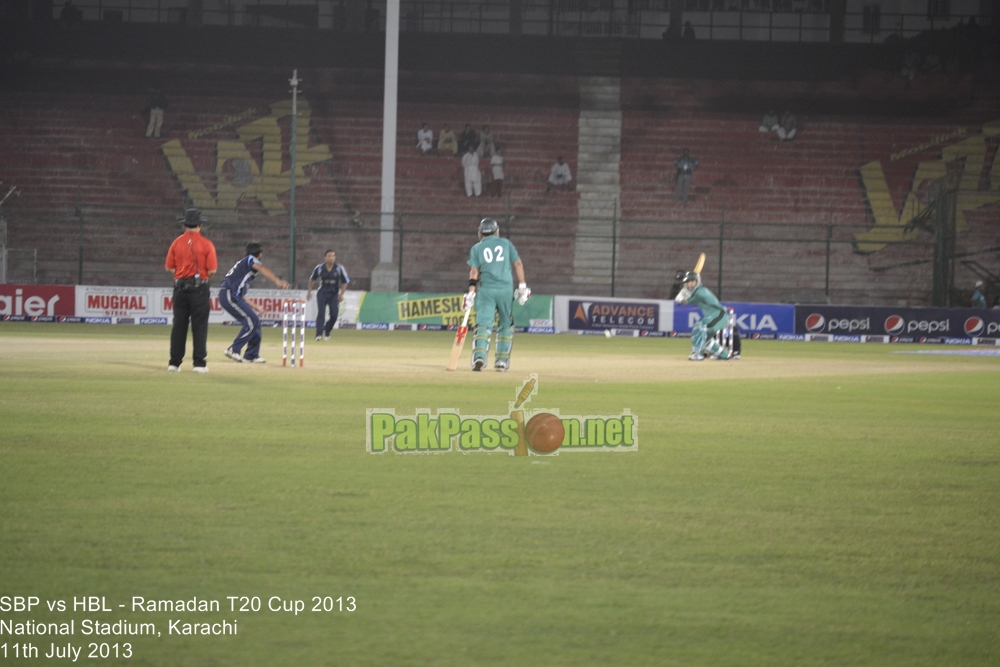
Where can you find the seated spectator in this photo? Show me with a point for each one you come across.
(425, 139)
(466, 139)
(788, 127)
(559, 176)
(688, 31)
(770, 122)
(447, 143)
(486, 145)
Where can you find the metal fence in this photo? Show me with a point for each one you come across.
(747, 261)
(760, 20)
(18, 265)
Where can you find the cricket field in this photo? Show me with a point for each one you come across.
(808, 504)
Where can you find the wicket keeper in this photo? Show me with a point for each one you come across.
(713, 318)
(492, 291)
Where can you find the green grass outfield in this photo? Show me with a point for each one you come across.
(810, 504)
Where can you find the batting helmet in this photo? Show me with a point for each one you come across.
(192, 218)
(488, 227)
(691, 275)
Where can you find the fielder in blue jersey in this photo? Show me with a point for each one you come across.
(714, 317)
(492, 292)
(333, 280)
(232, 295)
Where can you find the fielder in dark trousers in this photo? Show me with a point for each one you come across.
(333, 282)
(191, 259)
(231, 297)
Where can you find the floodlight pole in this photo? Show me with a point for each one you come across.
(295, 80)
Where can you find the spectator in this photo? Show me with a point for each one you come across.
(978, 298)
(425, 139)
(466, 139)
(496, 162)
(470, 169)
(770, 122)
(446, 141)
(685, 170)
(486, 145)
(996, 303)
(788, 127)
(157, 103)
(560, 176)
(911, 63)
(688, 31)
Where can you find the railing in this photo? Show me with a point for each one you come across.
(716, 20)
(748, 261)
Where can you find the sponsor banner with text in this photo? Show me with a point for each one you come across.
(767, 319)
(597, 314)
(918, 325)
(33, 301)
(441, 310)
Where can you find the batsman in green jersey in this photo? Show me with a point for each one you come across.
(713, 318)
(492, 291)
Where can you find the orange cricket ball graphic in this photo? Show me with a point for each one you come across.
(544, 433)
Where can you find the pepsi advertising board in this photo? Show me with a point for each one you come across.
(903, 325)
(755, 320)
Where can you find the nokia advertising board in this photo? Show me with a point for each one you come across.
(902, 325)
(755, 320)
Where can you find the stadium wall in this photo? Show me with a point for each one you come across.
(771, 215)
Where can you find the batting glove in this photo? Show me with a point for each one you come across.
(522, 293)
(683, 295)
(468, 301)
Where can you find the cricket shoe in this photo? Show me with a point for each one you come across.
(173, 369)
(256, 360)
(319, 338)
(200, 369)
(500, 366)
(326, 336)
(478, 364)
(697, 357)
(235, 356)
(734, 355)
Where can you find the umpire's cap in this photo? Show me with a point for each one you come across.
(488, 227)
(193, 217)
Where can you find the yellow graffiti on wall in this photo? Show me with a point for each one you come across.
(967, 157)
(238, 175)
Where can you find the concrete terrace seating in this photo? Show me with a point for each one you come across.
(89, 149)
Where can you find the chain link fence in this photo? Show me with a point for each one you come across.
(747, 261)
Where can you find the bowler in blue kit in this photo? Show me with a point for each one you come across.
(232, 295)
(333, 280)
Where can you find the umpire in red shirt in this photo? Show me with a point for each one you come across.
(192, 260)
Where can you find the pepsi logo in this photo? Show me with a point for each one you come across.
(974, 326)
(894, 324)
(815, 323)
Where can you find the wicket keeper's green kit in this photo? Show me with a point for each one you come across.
(713, 318)
(494, 257)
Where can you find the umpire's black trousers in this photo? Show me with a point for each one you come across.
(190, 307)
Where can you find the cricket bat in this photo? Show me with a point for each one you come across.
(456, 349)
(701, 264)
